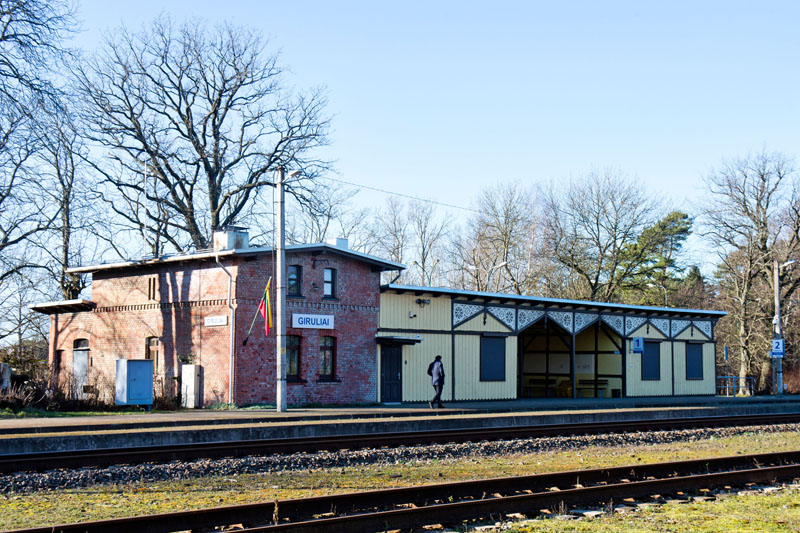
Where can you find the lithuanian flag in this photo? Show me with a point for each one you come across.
(266, 309)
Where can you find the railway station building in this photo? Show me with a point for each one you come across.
(352, 341)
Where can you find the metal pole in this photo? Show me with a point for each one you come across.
(280, 303)
(778, 361)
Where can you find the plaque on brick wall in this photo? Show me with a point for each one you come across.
(216, 320)
(300, 320)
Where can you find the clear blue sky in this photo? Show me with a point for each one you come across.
(437, 99)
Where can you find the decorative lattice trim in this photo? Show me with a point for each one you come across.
(679, 326)
(463, 312)
(583, 320)
(526, 317)
(632, 323)
(661, 324)
(616, 322)
(504, 315)
(704, 326)
(562, 318)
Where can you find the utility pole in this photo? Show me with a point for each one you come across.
(280, 303)
(777, 362)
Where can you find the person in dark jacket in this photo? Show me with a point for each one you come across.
(436, 370)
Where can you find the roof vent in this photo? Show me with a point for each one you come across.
(338, 242)
(231, 238)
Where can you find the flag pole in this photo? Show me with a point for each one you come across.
(249, 331)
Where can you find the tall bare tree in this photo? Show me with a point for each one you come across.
(66, 189)
(497, 250)
(752, 216)
(393, 233)
(593, 228)
(202, 114)
(428, 233)
(31, 38)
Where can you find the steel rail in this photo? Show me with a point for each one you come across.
(522, 494)
(41, 461)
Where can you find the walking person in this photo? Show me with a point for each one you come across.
(436, 371)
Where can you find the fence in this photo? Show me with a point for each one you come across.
(732, 386)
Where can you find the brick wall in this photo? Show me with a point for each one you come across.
(189, 292)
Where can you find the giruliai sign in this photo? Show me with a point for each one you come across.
(312, 321)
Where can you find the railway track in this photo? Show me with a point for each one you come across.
(42, 461)
(453, 503)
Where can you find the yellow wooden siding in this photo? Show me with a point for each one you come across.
(643, 332)
(468, 371)
(636, 386)
(398, 310)
(476, 324)
(416, 383)
(691, 334)
(704, 386)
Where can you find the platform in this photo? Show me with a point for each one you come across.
(21, 435)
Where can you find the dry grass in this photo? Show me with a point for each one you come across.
(110, 501)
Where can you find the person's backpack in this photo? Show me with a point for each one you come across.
(430, 369)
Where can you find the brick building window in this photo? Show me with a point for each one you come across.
(152, 288)
(293, 357)
(327, 350)
(57, 357)
(151, 348)
(329, 289)
(294, 286)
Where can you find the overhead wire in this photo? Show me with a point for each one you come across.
(384, 191)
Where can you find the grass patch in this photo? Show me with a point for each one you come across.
(30, 412)
(112, 501)
(779, 511)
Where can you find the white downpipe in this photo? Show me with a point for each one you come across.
(232, 326)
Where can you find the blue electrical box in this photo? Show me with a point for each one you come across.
(134, 382)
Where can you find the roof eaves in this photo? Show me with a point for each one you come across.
(471, 295)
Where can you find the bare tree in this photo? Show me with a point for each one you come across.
(201, 113)
(66, 187)
(752, 216)
(593, 228)
(393, 233)
(429, 231)
(497, 251)
(319, 217)
(31, 34)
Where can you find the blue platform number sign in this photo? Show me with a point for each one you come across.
(777, 348)
(638, 345)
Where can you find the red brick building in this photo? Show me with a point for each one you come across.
(175, 310)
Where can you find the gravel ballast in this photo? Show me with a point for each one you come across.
(179, 470)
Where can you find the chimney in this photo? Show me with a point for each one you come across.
(231, 238)
(338, 242)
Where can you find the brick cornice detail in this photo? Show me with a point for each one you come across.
(169, 305)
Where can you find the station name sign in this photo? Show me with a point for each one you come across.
(312, 321)
(216, 320)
